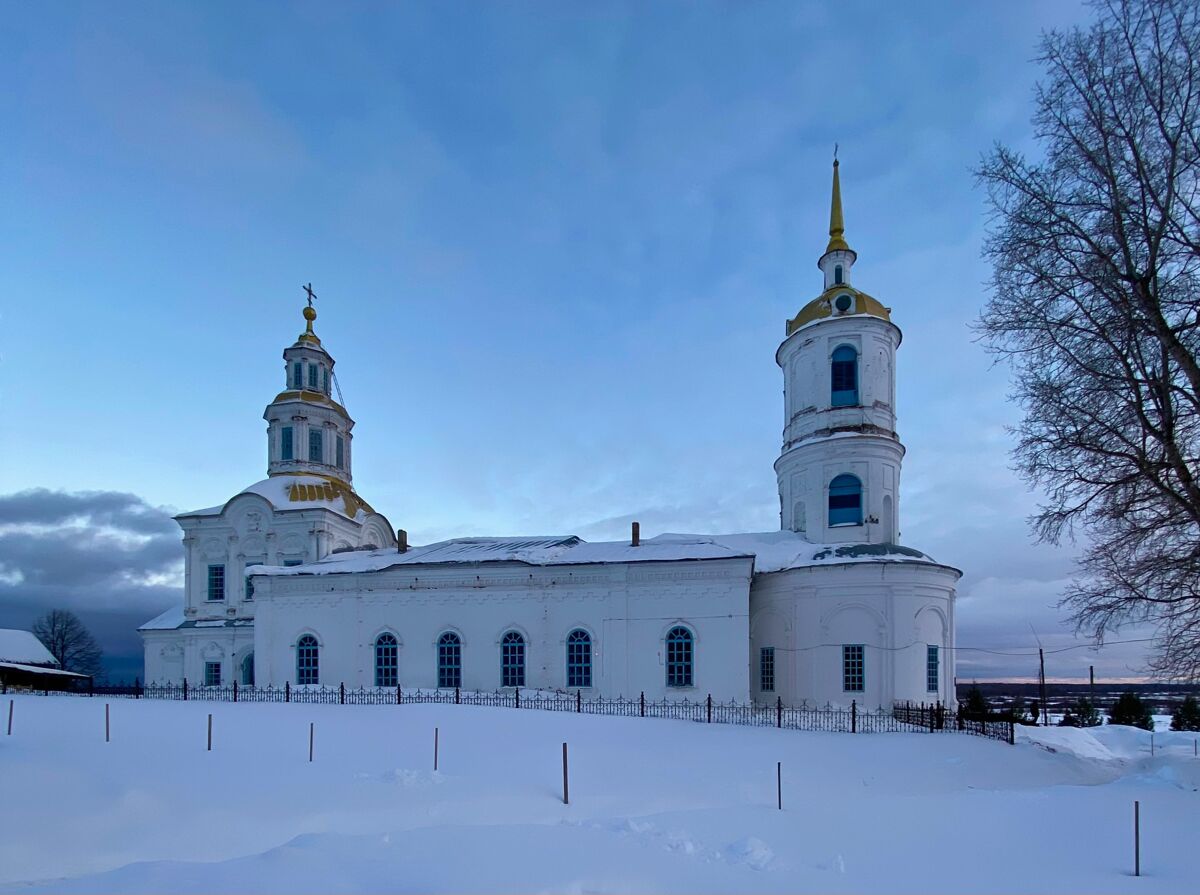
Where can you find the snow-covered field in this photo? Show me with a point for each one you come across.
(655, 805)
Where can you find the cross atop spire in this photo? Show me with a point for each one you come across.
(310, 314)
(837, 228)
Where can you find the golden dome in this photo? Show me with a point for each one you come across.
(310, 314)
(824, 306)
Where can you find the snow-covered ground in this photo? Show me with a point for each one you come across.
(655, 805)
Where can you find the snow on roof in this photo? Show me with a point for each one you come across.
(22, 647)
(771, 551)
(299, 491)
(166, 621)
(41, 669)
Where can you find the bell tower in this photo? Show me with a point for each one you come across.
(839, 467)
(307, 430)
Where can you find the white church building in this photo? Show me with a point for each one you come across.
(297, 579)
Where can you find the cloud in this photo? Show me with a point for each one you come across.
(108, 556)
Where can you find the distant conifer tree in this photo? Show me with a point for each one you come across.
(1186, 715)
(1130, 710)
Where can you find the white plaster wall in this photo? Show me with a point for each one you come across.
(627, 608)
(893, 608)
(804, 475)
(172, 656)
(247, 532)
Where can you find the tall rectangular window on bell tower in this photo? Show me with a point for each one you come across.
(286, 449)
(316, 445)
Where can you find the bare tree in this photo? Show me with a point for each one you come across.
(1095, 302)
(69, 641)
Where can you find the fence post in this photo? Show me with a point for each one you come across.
(106, 727)
(310, 741)
(342, 694)
(210, 731)
(642, 704)
(235, 689)
(435, 748)
(457, 696)
(1137, 839)
(185, 689)
(518, 694)
(10, 711)
(854, 716)
(1012, 732)
(779, 784)
(566, 791)
(932, 716)
(709, 708)
(779, 711)
(578, 700)
(287, 691)
(397, 694)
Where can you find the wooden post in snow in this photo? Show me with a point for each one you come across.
(310, 741)
(435, 748)
(1137, 839)
(106, 724)
(10, 711)
(779, 784)
(566, 790)
(210, 731)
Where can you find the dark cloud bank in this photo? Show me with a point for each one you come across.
(108, 556)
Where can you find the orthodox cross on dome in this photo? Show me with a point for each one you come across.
(310, 314)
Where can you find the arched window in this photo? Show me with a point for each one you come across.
(579, 659)
(679, 657)
(837, 274)
(248, 670)
(843, 377)
(512, 660)
(449, 660)
(387, 660)
(307, 660)
(845, 501)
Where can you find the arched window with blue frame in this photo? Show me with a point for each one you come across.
(449, 660)
(843, 377)
(837, 275)
(579, 659)
(845, 500)
(679, 657)
(308, 659)
(512, 660)
(387, 660)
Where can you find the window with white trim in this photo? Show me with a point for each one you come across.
(449, 660)
(387, 660)
(308, 660)
(216, 582)
(212, 674)
(931, 668)
(853, 671)
(579, 659)
(512, 660)
(679, 657)
(766, 669)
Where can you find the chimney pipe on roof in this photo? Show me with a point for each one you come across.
(401, 540)
(637, 535)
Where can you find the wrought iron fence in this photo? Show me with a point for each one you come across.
(903, 717)
(936, 717)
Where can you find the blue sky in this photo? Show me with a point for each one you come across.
(554, 247)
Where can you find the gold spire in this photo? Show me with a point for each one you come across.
(837, 229)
